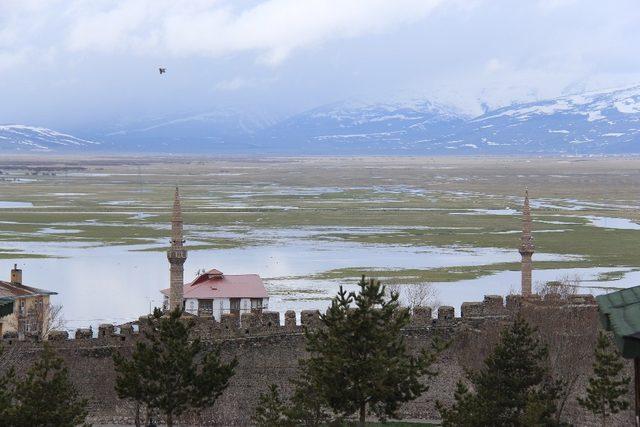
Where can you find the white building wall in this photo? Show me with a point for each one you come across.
(218, 308)
(191, 306)
(223, 306)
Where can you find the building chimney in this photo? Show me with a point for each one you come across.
(16, 275)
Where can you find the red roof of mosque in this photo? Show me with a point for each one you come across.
(215, 284)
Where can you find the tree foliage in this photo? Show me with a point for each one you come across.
(44, 397)
(358, 362)
(607, 388)
(514, 388)
(304, 408)
(271, 410)
(170, 372)
(6, 400)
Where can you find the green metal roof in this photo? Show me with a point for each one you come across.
(6, 306)
(620, 313)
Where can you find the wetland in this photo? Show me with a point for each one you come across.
(94, 229)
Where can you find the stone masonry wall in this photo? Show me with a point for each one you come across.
(268, 352)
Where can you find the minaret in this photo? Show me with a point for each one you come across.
(526, 245)
(176, 255)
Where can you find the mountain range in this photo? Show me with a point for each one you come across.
(604, 122)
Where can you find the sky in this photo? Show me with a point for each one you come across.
(83, 64)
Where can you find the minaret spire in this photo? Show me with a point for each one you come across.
(176, 255)
(526, 246)
(176, 221)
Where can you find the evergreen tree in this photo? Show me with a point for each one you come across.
(607, 389)
(46, 396)
(359, 362)
(130, 383)
(169, 372)
(6, 401)
(513, 388)
(306, 405)
(304, 408)
(271, 410)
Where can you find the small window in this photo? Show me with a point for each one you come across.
(256, 303)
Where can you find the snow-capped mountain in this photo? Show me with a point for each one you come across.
(222, 129)
(604, 122)
(366, 127)
(22, 138)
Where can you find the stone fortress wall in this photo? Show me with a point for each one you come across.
(268, 351)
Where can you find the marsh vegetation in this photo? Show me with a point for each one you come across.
(305, 224)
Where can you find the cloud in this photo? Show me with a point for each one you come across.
(11, 59)
(494, 65)
(273, 29)
(238, 83)
(99, 57)
(550, 5)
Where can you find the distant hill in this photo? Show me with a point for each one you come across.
(604, 122)
(21, 138)
(356, 127)
(220, 130)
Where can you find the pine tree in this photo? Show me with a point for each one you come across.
(306, 405)
(130, 383)
(465, 411)
(304, 408)
(607, 387)
(169, 372)
(359, 362)
(513, 388)
(271, 410)
(46, 396)
(6, 400)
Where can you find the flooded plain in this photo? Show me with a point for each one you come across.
(95, 233)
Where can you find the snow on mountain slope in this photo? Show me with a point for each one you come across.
(221, 129)
(24, 138)
(604, 122)
(360, 126)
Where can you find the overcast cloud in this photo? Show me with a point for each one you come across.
(72, 64)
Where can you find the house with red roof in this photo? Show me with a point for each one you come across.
(214, 293)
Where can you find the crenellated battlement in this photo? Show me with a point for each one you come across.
(268, 346)
(275, 323)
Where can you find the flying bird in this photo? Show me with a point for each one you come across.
(162, 70)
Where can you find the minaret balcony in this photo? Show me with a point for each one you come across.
(526, 250)
(176, 254)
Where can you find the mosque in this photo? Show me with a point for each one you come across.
(212, 293)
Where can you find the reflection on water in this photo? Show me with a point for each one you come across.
(15, 205)
(455, 293)
(105, 284)
(617, 223)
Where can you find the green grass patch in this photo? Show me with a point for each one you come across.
(444, 274)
